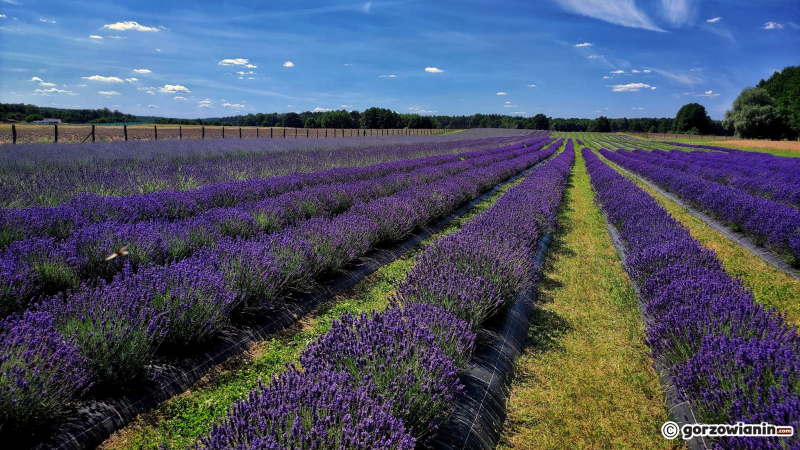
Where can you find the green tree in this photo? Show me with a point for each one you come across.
(311, 123)
(600, 125)
(33, 117)
(690, 116)
(753, 115)
(784, 88)
(539, 122)
(292, 120)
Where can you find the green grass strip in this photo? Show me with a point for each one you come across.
(585, 379)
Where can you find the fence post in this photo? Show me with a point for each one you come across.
(256, 131)
(284, 133)
(180, 132)
(240, 132)
(202, 132)
(125, 131)
(223, 132)
(295, 133)
(326, 132)
(13, 134)
(270, 132)
(55, 138)
(92, 133)
(307, 133)
(155, 131)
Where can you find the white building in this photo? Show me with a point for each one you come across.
(48, 122)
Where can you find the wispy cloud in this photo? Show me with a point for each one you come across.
(531, 85)
(204, 104)
(585, 44)
(131, 80)
(2, 16)
(619, 12)
(772, 26)
(714, 20)
(233, 105)
(632, 87)
(180, 98)
(152, 106)
(367, 7)
(647, 71)
(108, 93)
(635, 71)
(678, 78)
(421, 111)
(129, 25)
(103, 79)
(50, 91)
(242, 72)
(502, 93)
(94, 36)
(142, 71)
(288, 64)
(345, 106)
(318, 109)
(46, 21)
(118, 37)
(433, 70)
(595, 56)
(388, 76)
(678, 12)
(618, 72)
(173, 89)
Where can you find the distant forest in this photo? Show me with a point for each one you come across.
(698, 123)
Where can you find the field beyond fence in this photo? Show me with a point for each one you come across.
(18, 134)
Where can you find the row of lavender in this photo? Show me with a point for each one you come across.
(760, 174)
(731, 359)
(46, 265)
(83, 210)
(766, 221)
(108, 332)
(387, 380)
(49, 175)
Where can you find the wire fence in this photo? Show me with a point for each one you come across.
(18, 134)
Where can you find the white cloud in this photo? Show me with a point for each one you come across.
(118, 37)
(635, 71)
(595, 56)
(2, 16)
(108, 93)
(318, 109)
(251, 78)
(618, 72)
(46, 21)
(387, 76)
(158, 50)
(233, 105)
(173, 89)
(204, 104)
(36, 79)
(242, 72)
(585, 44)
(367, 6)
(52, 91)
(508, 103)
(47, 84)
(502, 93)
(237, 62)
(142, 71)
(103, 79)
(81, 85)
(677, 11)
(709, 94)
(607, 77)
(129, 25)
(632, 87)
(531, 85)
(345, 106)
(288, 64)
(509, 106)
(637, 108)
(714, 20)
(152, 106)
(180, 98)
(794, 25)
(647, 71)
(619, 12)
(94, 36)
(131, 80)
(772, 26)
(433, 70)
(518, 112)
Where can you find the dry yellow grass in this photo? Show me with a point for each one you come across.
(787, 146)
(585, 380)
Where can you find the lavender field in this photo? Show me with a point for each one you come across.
(118, 259)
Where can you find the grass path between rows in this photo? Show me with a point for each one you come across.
(176, 423)
(770, 286)
(585, 380)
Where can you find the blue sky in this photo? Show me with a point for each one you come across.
(563, 58)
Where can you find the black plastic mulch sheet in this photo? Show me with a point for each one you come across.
(94, 420)
(478, 420)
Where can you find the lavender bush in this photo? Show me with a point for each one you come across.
(41, 371)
